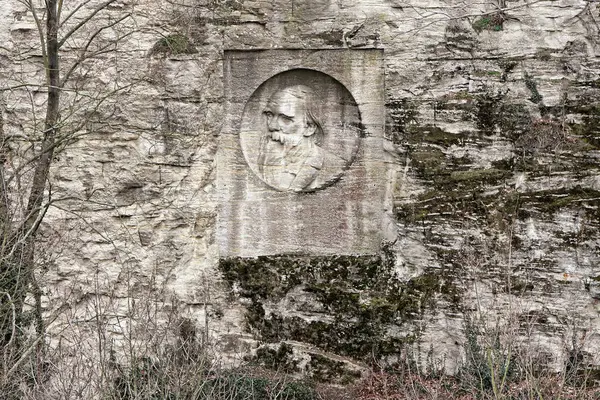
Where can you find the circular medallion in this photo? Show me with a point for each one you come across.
(300, 131)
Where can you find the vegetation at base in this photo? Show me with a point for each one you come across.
(220, 385)
(184, 370)
(280, 359)
(408, 384)
(494, 366)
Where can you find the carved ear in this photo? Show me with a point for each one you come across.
(310, 129)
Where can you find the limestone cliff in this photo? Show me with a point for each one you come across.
(492, 154)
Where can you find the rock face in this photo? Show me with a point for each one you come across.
(484, 210)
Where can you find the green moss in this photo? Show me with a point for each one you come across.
(487, 111)
(402, 113)
(456, 200)
(536, 97)
(491, 22)
(433, 135)
(245, 386)
(513, 120)
(428, 161)
(271, 277)
(487, 73)
(467, 182)
(478, 176)
(325, 369)
(337, 299)
(280, 359)
(261, 284)
(361, 298)
(551, 201)
(463, 95)
(494, 114)
(173, 44)
(577, 195)
(589, 129)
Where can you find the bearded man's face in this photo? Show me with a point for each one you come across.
(286, 119)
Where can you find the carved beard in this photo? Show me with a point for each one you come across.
(273, 152)
(279, 164)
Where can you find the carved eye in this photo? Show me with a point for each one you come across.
(287, 119)
(269, 114)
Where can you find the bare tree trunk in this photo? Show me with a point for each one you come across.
(36, 197)
(35, 206)
(4, 224)
(5, 231)
(18, 270)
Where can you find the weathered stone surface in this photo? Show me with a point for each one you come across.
(492, 190)
(337, 208)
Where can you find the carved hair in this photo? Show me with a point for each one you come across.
(313, 112)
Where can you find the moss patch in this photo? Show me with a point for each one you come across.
(402, 113)
(244, 386)
(333, 37)
(457, 204)
(536, 97)
(488, 111)
(551, 201)
(491, 22)
(324, 369)
(493, 113)
(433, 135)
(356, 301)
(477, 177)
(280, 359)
(429, 162)
(589, 129)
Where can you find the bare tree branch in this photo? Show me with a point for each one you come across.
(84, 21)
(84, 55)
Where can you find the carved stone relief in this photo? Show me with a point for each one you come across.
(299, 163)
(300, 131)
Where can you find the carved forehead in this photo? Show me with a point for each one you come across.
(298, 94)
(287, 102)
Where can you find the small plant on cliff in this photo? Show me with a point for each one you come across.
(173, 44)
(545, 135)
(490, 22)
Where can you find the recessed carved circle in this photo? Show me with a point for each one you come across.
(300, 131)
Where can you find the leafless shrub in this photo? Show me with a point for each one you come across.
(544, 136)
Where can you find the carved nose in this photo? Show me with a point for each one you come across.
(273, 124)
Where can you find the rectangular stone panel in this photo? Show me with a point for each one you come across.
(300, 159)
